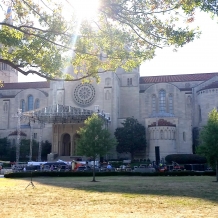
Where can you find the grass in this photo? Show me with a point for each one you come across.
(126, 197)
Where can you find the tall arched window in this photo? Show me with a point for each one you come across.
(36, 103)
(153, 104)
(22, 105)
(161, 134)
(162, 101)
(199, 113)
(129, 81)
(30, 102)
(171, 103)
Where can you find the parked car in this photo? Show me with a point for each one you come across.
(84, 169)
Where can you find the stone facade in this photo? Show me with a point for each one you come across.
(169, 107)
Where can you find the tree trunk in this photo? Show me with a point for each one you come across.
(217, 171)
(93, 179)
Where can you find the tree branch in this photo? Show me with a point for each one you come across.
(45, 75)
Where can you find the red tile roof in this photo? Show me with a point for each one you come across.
(161, 122)
(177, 78)
(25, 85)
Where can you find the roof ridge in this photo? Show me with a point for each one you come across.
(181, 74)
(177, 78)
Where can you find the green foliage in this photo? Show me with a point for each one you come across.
(4, 148)
(131, 137)
(8, 152)
(185, 159)
(209, 139)
(44, 41)
(25, 150)
(46, 149)
(86, 174)
(94, 140)
(207, 6)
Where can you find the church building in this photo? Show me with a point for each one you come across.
(170, 107)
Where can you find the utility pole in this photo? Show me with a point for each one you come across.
(31, 142)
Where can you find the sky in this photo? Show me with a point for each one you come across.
(199, 56)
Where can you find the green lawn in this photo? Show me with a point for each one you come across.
(137, 197)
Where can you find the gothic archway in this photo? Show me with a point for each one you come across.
(66, 144)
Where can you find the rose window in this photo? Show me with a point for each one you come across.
(84, 94)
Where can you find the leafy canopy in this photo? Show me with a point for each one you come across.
(94, 139)
(209, 139)
(41, 37)
(131, 137)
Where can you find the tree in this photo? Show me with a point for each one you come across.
(209, 140)
(94, 140)
(131, 137)
(25, 149)
(4, 149)
(207, 6)
(46, 149)
(41, 37)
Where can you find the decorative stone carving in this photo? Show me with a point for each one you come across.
(84, 94)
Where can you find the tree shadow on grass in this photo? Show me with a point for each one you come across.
(201, 187)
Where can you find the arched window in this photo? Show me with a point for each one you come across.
(171, 103)
(22, 105)
(129, 81)
(165, 135)
(184, 136)
(107, 81)
(162, 101)
(199, 113)
(37, 103)
(161, 134)
(153, 104)
(30, 102)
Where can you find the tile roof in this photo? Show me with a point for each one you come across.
(25, 85)
(177, 78)
(161, 122)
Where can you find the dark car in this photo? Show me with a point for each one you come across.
(54, 166)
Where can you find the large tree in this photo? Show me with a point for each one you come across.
(209, 140)
(131, 137)
(94, 139)
(46, 36)
(4, 149)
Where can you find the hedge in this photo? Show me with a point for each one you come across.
(186, 159)
(89, 174)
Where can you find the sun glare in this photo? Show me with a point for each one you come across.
(85, 9)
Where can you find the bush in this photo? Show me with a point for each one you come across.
(98, 174)
(186, 159)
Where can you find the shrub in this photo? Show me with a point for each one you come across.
(98, 174)
(186, 159)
